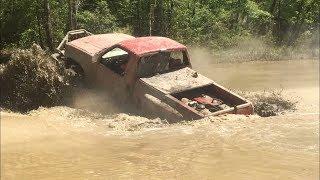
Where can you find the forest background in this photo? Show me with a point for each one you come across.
(229, 29)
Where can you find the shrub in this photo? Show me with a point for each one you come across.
(31, 79)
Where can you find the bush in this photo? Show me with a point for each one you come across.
(31, 79)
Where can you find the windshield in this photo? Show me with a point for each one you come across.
(162, 62)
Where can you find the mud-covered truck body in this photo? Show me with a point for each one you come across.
(154, 73)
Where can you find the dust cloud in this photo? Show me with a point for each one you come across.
(255, 49)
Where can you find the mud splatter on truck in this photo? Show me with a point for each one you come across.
(154, 73)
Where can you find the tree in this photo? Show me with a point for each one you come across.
(72, 14)
(96, 18)
(151, 17)
(47, 24)
(213, 23)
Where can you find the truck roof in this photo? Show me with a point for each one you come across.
(95, 43)
(141, 45)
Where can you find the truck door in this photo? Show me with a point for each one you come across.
(111, 71)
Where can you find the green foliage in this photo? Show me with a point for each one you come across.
(218, 24)
(27, 37)
(98, 20)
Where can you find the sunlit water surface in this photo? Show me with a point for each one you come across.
(68, 143)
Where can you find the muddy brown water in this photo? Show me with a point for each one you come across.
(68, 143)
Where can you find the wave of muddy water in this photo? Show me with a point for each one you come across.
(69, 143)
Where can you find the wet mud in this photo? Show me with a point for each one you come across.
(93, 139)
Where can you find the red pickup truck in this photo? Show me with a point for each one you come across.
(154, 73)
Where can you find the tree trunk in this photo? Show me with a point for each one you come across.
(151, 17)
(158, 25)
(72, 15)
(1, 23)
(39, 31)
(277, 29)
(137, 19)
(170, 19)
(47, 25)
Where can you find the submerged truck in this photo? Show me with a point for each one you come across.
(153, 73)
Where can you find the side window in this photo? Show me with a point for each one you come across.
(178, 59)
(116, 60)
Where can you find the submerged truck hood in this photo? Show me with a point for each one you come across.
(178, 80)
